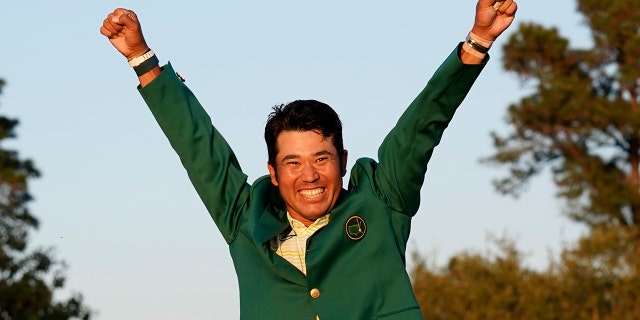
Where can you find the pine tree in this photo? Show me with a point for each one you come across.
(583, 118)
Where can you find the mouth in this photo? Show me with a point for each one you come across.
(312, 193)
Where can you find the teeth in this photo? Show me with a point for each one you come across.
(311, 193)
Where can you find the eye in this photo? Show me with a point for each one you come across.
(322, 159)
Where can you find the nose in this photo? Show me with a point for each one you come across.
(310, 173)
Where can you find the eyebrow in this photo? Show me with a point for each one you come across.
(297, 156)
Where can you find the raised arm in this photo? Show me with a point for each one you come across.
(123, 29)
(207, 157)
(405, 152)
(492, 18)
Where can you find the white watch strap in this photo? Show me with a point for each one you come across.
(138, 60)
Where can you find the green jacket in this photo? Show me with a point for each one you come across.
(356, 264)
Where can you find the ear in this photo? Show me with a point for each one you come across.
(272, 173)
(343, 162)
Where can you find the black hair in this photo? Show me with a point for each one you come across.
(302, 115)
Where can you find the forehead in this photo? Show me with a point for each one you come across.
(303, 142)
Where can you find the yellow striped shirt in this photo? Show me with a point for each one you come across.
(293, 246)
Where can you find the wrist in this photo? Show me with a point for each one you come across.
(480, 39)
(476, 44)
(136, 52)
(144, 63)
(139, 58)
(466, 47)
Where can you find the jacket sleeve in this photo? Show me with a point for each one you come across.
(211, 165)
(406, 150)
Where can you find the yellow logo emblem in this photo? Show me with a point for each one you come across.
(355, 228)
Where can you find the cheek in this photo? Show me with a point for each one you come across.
(332, 173)
(284, 177)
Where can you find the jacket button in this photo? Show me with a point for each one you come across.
(315, 293)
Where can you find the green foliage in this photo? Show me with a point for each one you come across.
(595, 279)
(473, 287)
(601, 273)
(28, 278)
(583, 118)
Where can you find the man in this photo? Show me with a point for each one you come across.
(303, 246)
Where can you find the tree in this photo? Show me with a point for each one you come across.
(595, 278)
(495, 285)
(583, 118)
(582, 121)
(599, 275)
(28, 277)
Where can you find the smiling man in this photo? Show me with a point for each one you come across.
(306, 158)
(303, 246)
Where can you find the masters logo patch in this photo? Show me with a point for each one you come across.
(355, 228)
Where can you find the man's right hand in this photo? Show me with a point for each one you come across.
(124, 32)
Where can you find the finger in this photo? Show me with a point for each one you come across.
(125, 17)
(111, 26)
(106, 32)
(511, 9)
(492, 4)
(504, 6)
(123, 11)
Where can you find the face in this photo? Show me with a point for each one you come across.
(308, 173)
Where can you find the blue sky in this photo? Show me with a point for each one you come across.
(117, 206)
